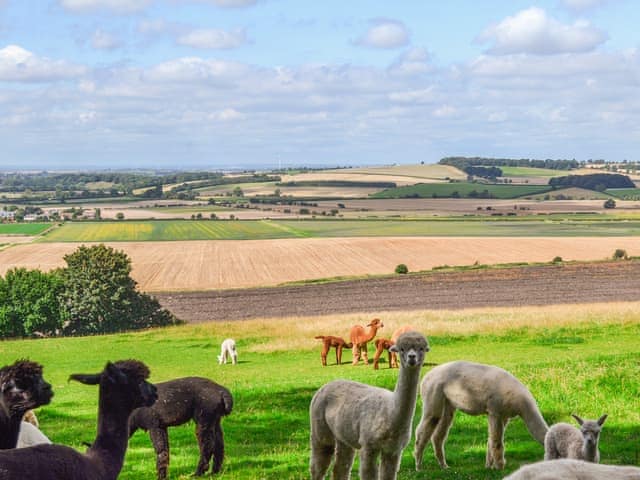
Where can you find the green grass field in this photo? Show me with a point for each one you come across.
(531, 172)
(624, 193)
(588, 367)
(463, 189)
(23, 228)
(168, 230)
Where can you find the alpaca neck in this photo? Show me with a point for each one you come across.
(534, 421)
(405, 394)
(370, 335)
(589, 451)
(111, 440)
(9, 426)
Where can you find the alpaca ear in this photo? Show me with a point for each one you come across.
(393, 349)
(87, 379)
(114, 374)
(578, 419)
(602, 419)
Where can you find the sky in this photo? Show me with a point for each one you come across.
(195, 84)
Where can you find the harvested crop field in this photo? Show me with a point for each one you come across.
(206, 265)
(589, 283)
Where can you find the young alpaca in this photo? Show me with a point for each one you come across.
(475, 389)
(179, 401)
(123, 387)
(22, 388)
(570, 469)
(228, 352)
(346, 416)
(359, 338)
(329, 341)
(383, 344)
(566, 441)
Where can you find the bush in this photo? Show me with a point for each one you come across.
(620, 254)
(557, 260)
(402, 269)
(609, 203)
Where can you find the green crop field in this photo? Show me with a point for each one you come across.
(624, 193)
(532, 172)
(168, 230)
(23, 228)
(586, 362)
(461, 189)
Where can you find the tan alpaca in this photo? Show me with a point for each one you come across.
(329, 341)
(383, 344)
(475, 389)
(570, 469)
(359, 338)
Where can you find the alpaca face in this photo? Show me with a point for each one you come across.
(412, 348)
(590, 429)
(23, 386)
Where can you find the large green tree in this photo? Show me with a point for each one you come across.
(101, 297)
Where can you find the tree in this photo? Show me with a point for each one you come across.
(609, 203)
(101, 297)
(119, 216)
(402, 269)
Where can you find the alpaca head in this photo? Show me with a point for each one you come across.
(411, 348)
(590, 429)
(375, 323)
(22, 387)
(126, 380)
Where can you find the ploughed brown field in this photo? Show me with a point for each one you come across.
(206, 265)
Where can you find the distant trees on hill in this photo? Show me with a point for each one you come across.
(463, 162)
(595, 181)
(484, 172)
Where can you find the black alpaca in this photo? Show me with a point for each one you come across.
(123, 387)
(179, 401)
(21, 389)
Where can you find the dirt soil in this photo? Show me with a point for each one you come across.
(521, 286)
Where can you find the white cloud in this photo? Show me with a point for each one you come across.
(213, 39)
(579, 5)
(385, 34)
(116, 6)
(532, 31)
(411, 62)
(102, 40)
(20, 65)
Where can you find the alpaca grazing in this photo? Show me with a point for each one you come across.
(123, 387)
(179, 401)
(22, 388)
(329, 341)
(383, 344)
(347, 416)
(228, 352)
(359, 338)
(566, 441)
(475, 389)
(571, 469)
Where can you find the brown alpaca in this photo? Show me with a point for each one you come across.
(329, 341)
(359, 338)
(383, 344)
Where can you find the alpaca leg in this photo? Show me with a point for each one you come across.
(205, 436)
(339, 355)
(368, 466)
(439, 437)
(495, 445)
(344, 461)
(320, 459)
(356, 353)
(323, 354)
(365, 354)
(377, 355)
(425, 429)
(389, 466)
(218, 446)
(160, 441)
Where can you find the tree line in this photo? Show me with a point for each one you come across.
(463, 162)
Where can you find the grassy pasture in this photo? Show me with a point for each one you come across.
(531, 172)
(23, 228)
(463, 189)
(576, 358)
(624, 193)
(169, 230)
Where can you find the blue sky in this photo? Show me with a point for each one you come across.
(250, 83)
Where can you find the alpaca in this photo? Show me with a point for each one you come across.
(329, 341)
(30, 435)
(475, 389)
(228, 352)
(566, 441)
(359, 338)
(571, 469)
(22, 388)
(123, 387)
(383, 344)
(346, 416)
(179, 401)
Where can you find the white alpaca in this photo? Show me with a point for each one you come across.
(347, 416)
(228, 352)
(30, 435)
(566, 441)
(475, 389)
(570, 469)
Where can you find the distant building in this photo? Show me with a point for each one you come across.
(4, 215)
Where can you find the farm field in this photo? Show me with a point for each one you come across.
(463, 189)
(204, 265)
(577, 358)
(531, 172)
(23, 228)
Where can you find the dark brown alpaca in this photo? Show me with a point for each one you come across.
(383, 344)
(21, 389)
(123, 387)
(329, 341)
(179, 401)
(359, 338)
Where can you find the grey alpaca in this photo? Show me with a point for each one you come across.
(123, 387)
(571, 469)
(566, 441)
(475, 389)
(347, 416)
(22, 388)
(179, 401)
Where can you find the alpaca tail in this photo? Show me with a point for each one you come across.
(321, 337)
(227, 399)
